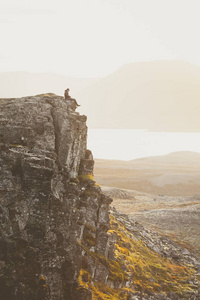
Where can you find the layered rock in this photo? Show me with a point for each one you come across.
(49, 200)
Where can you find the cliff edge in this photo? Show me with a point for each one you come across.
(49, 200)
(57, 240)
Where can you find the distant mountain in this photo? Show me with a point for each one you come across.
(20, 84)
(175, 174)
(160, 96)
(179, 158)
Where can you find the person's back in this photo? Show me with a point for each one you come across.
(72, 103)
(67, 96)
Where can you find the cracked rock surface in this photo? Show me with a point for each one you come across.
(45, 209)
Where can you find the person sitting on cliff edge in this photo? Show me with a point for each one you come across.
(68, 97)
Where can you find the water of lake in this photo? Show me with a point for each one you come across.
(127, 144)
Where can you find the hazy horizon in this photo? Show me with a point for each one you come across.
(130, 64)
(92, 39)
(129, 144)
(156, 95)
(110, 72)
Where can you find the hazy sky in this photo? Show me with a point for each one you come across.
(92, 38)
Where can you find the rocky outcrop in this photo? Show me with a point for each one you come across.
(58, 241)
(48, 205)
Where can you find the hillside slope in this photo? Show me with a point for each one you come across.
(175, 174)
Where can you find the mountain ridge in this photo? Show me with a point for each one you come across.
(174, 174)
(159, 96)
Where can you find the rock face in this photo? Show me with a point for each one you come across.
(57, 240)
(48, 205)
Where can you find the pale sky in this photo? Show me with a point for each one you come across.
(93, 38)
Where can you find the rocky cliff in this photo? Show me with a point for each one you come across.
(58, 241)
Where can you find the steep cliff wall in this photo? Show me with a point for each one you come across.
(48, 201)
(57, 240)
